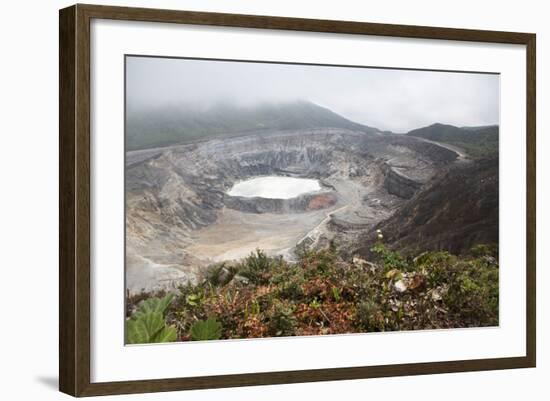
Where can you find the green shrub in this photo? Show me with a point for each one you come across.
(324, 293)
(369, 317)
(291, 290)
(255, 267)
(317, 262)
(484, 250)
(219, 274)
(473, 293)
(390, 259)
(281, 320)
(436, 265)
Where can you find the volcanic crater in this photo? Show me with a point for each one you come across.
(180, 217)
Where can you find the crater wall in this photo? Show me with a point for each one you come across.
(175, 194)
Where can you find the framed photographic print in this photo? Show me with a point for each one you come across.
(250, 200)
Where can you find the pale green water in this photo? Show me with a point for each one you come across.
(274, 187)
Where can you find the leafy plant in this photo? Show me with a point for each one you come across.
(255, 266)
(292, 290)
(209, 329)
(255, 308)
(281, 320)
(155, 305)
(315, 304)
(147, 325)
(317, 262)
(389, 258)
(437, 266)
(193, 299)
(219, 274)
(336, 294)
(484, 250)
(324, 293)
(473, 292)
(369, 316)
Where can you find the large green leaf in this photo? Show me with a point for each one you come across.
(209, 329)
(153, 305)
(147, 325)
(166, 335)
(144, 328)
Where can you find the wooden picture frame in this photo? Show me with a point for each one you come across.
(74, 199)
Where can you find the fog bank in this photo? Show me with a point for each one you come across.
(396, 100)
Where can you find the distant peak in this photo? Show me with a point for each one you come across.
(442, 125)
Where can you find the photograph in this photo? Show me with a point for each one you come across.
(268, 199)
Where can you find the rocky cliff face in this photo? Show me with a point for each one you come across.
(398, 184)
(456, 210)
(174, 194)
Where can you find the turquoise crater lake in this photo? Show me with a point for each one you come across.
(274, 187)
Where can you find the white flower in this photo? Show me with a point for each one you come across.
(380, 236)
(400, 286)
(379, 231)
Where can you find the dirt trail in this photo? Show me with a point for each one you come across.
(462, 156)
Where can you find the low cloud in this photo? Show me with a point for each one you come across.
(396, 100)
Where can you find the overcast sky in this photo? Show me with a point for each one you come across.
(396, 100)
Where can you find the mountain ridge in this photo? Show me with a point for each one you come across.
(172, 125)
(478, 142)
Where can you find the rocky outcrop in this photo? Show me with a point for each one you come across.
(398, 184)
